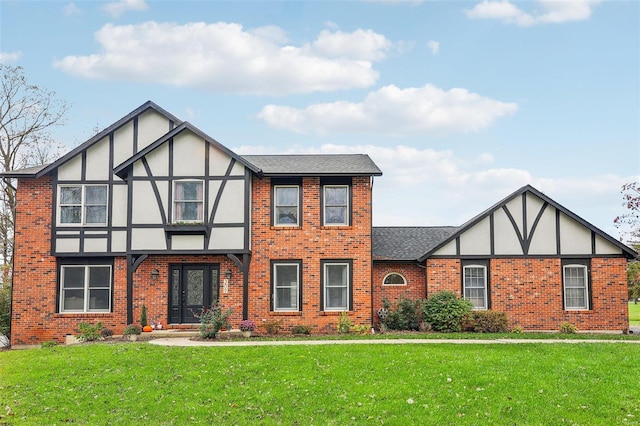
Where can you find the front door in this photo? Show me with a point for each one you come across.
(193, 287)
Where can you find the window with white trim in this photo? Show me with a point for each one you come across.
(188, 201)
(576, 288)
(82, 204)
(336, 285)
(336, 205)
(286, 199)
(475, 285)
(85, 288)
(394, 278)
(286, 286)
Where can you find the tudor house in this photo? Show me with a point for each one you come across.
(151, 211)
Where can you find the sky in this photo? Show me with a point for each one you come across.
(460, 103)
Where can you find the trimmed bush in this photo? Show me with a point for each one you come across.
(406, 314)
(490, 322)
(445, 311)
(568, 328)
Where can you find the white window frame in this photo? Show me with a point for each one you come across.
(276, 206)
(326, 287)
(295, 308)
(484, 287)
(585, 287)
(324, 205)
(83, 205)
(176, 201)
(404, 280)
(86, 289)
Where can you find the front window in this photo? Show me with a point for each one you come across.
(286, 201)
(188, 201)
(85, 288)
(286, 286)
(576, 294)
(336, 282)
(475, 285)
(83, 204)
(336, 204)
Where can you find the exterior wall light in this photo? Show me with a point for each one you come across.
(154, 274)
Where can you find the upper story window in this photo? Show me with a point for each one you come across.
(188, 201)
(576, 286)
(286, 205)
(83, 204)
(85, 288)
(394, 278)
(474, 283)
(336, 200)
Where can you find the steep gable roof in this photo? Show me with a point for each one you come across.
(528, 188)
(122, 169)
(407, 243)
(36, 172)
(315, 165)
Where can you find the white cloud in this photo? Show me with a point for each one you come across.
(117, 8)
(433, 46)
(393, 111)
(426, 187)
(71, 9)
(548, 12)
(9, 57)
(225, 57)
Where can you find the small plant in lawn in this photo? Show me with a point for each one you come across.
(88, 332)
(344, 323)
(445, 311)
(568, 328)
(301, 329)
(272, 327)
(247, 325)
(213, 319)
(132, 329)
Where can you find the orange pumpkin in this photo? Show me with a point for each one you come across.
(147, 329)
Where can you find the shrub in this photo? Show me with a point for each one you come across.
(568, 328)
(517, 330)
(406, 314)
(344, 323)
(143, 317)
(88, 332)
(445, 311)
(301, 329)
(49, 344)
(132, 329)
(272, 327)
(213, 319)
(5, 310)
(360, 329)
(490, 322)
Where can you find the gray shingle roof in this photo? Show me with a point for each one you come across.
(407, 243)
(26, 172)
(315, 165)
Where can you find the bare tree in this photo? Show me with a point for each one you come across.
(27, 113)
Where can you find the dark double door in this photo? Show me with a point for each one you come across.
(192, 287)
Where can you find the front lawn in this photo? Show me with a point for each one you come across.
(562, 383)
(634, 314)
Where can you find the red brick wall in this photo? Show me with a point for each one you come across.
(413, 274)
(310, 243)
(530, 292)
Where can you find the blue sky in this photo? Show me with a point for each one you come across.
(460, 103)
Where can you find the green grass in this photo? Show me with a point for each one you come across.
(634, 314)
(443, 384)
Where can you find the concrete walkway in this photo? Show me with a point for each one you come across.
(186, 341)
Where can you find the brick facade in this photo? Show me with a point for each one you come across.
(413, 274)
(310, 243)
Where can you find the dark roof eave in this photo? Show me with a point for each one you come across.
(325, 174)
